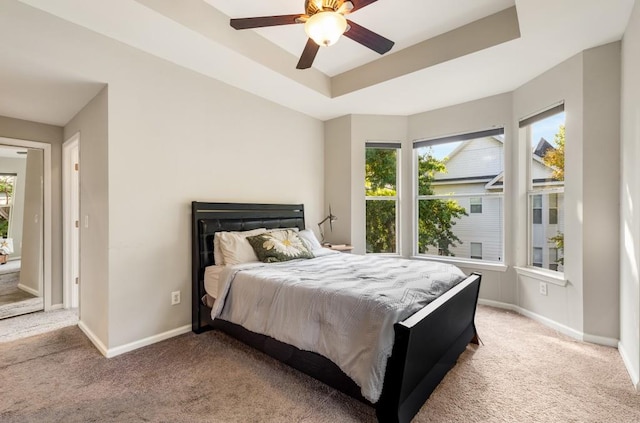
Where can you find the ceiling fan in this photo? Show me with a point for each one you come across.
(324, 23)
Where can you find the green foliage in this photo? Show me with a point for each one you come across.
(558, 240)
(554, 157)
(436, 217)
(6, 190)
(381, 226)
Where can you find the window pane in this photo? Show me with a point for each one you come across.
(547, 150)
(546, 165)
(381, 226)
(537, 257)
(460, 188)
(475, 204)
(437, 235)
(381, 172)
(537, 201)
(537, 216)
(547, 236)
(476, 250)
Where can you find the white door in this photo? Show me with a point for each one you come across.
(71, 194)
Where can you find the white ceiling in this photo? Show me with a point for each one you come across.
(406, 22)
(195, 34)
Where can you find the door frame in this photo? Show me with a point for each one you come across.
(68, 224)
(46, 212)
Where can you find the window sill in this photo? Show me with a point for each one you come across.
(473, 264)
(555, 278)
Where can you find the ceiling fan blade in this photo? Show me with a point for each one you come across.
(308, 55)
(359, 4)
(368, 38)
(262, 21)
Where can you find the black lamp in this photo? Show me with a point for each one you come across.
(331, 218)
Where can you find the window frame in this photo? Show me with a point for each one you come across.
(471, 204)
(416, 198)
(550, 188)
(384, 145)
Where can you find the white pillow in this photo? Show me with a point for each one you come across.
(310, 239)
(218, 257)
(236, 249)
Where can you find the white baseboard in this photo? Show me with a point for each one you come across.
(93, 338)
(112, 352)
(580, 336)
(56, 307)
(29, 290)
(635, 376)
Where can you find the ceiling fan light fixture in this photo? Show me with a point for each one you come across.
(325, 28)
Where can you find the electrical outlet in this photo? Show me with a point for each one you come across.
(175, 297)
(543, 288)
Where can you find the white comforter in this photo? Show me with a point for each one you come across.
(341, 306)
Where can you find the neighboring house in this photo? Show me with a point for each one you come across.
(474, 178)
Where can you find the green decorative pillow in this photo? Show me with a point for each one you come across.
(279, 246)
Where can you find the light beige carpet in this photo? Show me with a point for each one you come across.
(525, 372)
(36, 323)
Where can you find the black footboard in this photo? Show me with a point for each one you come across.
(427, 345)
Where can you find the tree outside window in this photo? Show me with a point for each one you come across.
(459, 201)
(7, 188)
(381, 196)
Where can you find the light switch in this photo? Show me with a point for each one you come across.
(86, 221)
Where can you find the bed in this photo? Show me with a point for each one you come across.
(427, 343)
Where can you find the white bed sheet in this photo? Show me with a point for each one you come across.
(212, 279)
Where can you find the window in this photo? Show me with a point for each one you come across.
(7, 189)
(381, 197)
(537, 257)
(545, 137)
(475, 205)
(537, 209)
(459, 184)
(553, 209)
(476, 250)
(553, 258)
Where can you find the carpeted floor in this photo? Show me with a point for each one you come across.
(36, 323)
(13, 300)
(525, 372)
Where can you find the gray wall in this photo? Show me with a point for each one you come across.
(50, 134)
(32, 234)
(630, 197)
(92, 124)
(174, 136)
(589, 84)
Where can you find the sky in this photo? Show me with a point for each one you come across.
(547, 129)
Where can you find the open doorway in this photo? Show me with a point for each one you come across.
(71, 220)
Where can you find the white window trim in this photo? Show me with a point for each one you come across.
(492, 266)
(545, 275)
(396, 198)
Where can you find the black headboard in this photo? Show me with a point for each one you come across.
(209, 218)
